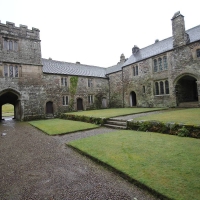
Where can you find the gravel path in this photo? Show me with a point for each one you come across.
(36, 166)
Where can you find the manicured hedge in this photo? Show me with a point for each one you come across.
(183, 130)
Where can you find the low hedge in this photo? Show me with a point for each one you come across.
(182, 130)
(82, 118)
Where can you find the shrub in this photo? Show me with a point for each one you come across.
(183, 132)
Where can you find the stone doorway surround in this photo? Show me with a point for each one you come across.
(133, 99)
(12, 97)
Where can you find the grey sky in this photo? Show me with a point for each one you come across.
(96, 32)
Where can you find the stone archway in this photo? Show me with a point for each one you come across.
(186, 89)
(12, 97)
(133, 99)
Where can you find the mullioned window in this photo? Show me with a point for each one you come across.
(160, 64)
(161, 87)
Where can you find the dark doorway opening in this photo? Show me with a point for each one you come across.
(79, 104)
(49, 107)
(133, 100)
(186, 89)
(10, 97)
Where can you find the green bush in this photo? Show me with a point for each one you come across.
(183, 132)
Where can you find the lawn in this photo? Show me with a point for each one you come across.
(60, 126)
(7, 110)
(169, 165)
(113, 112)
(187, 116)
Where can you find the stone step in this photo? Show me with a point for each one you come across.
(49, 116)
(114, 126)
(193, 104)
(115, 123)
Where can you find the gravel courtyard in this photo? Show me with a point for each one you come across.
(37, 166)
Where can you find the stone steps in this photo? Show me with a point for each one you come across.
(193, 104)
(49, 116)
(116, 124)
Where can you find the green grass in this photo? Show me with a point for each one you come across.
(187, 116)
(113, 112)
(168, 164)
(7, 110)
(60, 126)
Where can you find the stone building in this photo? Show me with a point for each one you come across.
(164, 74)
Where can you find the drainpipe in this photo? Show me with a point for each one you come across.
(122, 88)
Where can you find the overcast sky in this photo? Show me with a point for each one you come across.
(97, 32)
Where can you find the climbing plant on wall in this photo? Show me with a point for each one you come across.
(72, 90)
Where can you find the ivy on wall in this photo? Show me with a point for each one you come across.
(72, 90)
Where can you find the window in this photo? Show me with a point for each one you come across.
(143, 89)
(90, 99)
(65, 101)
(165, 63)
(11, 71)
(166, 87)
(155, 66)
(160, 64)
(135, 71)
(10, 45)
(161, 87)
(89, 82)
(198, 53)
(64, 81)
(157, 88)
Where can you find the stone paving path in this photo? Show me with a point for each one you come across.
(37, 166)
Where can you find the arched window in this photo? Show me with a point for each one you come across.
(198, 53)
(155, 66)
(160, 64)
(161, 88)
(157, 88)
(165, 62)
(166, 87)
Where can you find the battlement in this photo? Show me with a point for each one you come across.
(9, 29)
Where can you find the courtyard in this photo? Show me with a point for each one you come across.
(37, 166)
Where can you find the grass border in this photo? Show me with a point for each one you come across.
(60, 134)
(121, 174)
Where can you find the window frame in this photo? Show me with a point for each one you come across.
(90, 99)
(198, 53)
(64, 81)
(161, 87)
(160, 64)
(90, 82)
(65, 100)
(11, 71)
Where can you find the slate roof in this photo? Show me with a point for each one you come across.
(59, 67)
(161, 47)
(114, 68)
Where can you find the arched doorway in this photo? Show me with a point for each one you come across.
(11, 97)
(49, 107)
(79, 104)
(133, 100)
(104, 103)
(186, 89)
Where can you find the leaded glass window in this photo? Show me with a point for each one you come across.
(90, 99)
(10, 45)
(161, 88)
(165, 62)
(15, 46)
(11, 71)
(166, 87)
(155, 66)
(136, 70)
(5, 44)
(198, 53)
(160, 64)
(16, 71)
(65, 100)
(157, 88)
(6, 71)
(89, 82)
